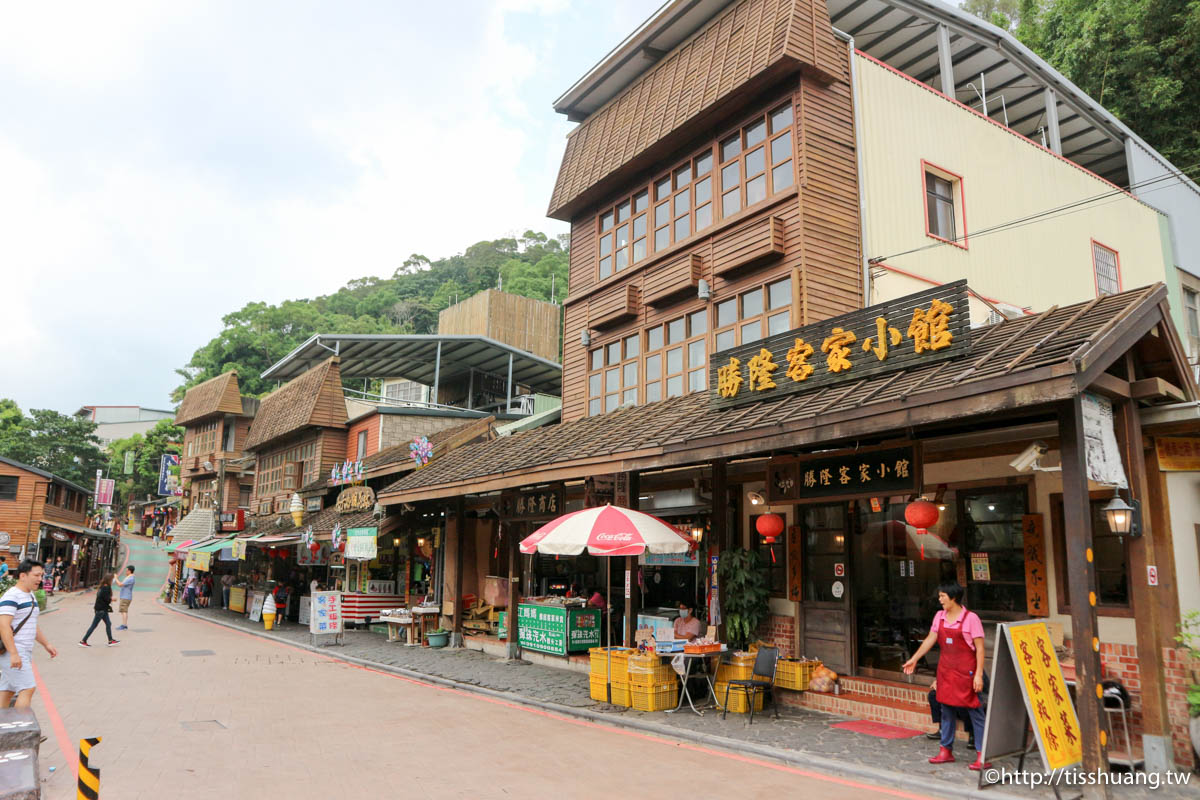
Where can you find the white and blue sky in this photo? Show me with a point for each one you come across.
(163, 164)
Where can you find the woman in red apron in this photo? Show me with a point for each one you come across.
(959, 635)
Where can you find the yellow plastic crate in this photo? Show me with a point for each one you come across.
(792, 673)
(649, 670)
(620, 691)
(735, 671)
(659, 697)
(737, 699)
(620, 662)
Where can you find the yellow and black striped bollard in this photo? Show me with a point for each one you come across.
(89, 776)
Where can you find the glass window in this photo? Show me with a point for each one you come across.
(730, 148)
(630, 371)
(781, 119)
(676, 331)
(756, 162)
(683, 176)
(779, 323)
(781, 148)
(752, 304)
(698, 322)
(675, 360)
(595, 386)
(653, 367)
(1192, 309)
(726, 313)
(612, 380)
(725, 340)
(598, 358)
(990, 523)
(654, 338)
(939, 199)
(662, 189)
(654, 392)
(631, 346)
(614, 353)
(641, 201)
(675, 386)
(780, 294)
(1108, 271)
(697, 380)
(751, 332)
(703, 165)
(696, 354)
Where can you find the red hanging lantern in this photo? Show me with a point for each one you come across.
(921, 514)
(769, 527)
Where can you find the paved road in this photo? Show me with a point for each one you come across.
(191, 709)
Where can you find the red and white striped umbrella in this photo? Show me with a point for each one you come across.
(606, 531)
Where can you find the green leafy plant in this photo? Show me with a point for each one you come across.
(1189, 638)
(746, 595)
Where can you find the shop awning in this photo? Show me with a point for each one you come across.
(184, 545)
(277, 541)
(211, 546)
(77, 529)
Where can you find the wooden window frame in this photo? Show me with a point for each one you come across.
(770, 567)
(1058, 534)
(1096, 269)
(690, 337)
(610, 233)
(1191, 312)
(770, 163)
(762, 317)
(983, 486)
(360, 445)
(16, 488)
(623, 361)
(775, 165)
(956, 181)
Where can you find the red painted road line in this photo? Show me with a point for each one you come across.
(60, 730)
(574, 721)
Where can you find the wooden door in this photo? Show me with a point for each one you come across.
(825, 619)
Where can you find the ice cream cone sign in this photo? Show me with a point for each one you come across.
(297, 509)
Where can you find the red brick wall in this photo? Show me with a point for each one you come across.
(1120, 662)
(780, 632)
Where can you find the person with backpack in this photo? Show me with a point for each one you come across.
(18, 632)
(102, 607)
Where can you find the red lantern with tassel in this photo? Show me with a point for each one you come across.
(769, 527)
(921, 514)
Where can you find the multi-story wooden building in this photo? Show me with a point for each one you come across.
(216, 420)
(297, 436)
(726, 196)
(45, 517)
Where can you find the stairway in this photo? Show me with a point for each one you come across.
(891, 702)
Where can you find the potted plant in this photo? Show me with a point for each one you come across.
(1189, 638)
(438, 638)
(746, 596)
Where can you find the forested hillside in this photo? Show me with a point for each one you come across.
(259, 334)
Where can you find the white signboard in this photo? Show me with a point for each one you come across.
(1100, 442)
(256, 605)
(326, 613)
(305, 609)
(362, 543)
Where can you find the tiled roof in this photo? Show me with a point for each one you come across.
(1059, 342)
(400, 454)
(293, 405)
(197, 525)
(321, 522)
(744, 43)
(217, 395)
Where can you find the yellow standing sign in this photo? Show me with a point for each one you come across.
(1025, 663)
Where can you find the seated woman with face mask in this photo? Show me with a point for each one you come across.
(686, 626)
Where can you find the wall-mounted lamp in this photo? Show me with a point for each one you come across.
(1124, 519)
(420, 541)
(585, 337)
(697, 533)
(755, 498)
(702, 290)
(396, 542)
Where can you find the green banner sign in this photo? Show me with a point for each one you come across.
(554, 630)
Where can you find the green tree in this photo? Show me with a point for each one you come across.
(1140, 60)
(148, 450)
(63, 445)
(1001, 13)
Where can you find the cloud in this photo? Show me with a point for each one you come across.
(162, 164)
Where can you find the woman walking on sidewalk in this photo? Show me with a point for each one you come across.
(103, 608)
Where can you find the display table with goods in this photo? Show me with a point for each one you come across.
(555, 625)
(702, 650)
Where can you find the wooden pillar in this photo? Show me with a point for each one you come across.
(1156, 725)
(459, 547)
(633, 603)
(513, 531)
(720, 506)
(1081, 580)
(1157, 509)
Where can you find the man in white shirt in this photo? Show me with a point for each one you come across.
(18, 632)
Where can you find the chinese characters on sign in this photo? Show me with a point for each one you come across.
(326, 613)
(543, 503)
(1036, 601)
(1047, 700)
(1178, 453)
(863, 472)
(912, 331)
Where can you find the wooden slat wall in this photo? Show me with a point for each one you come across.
(19, 518)
(370, 424)
(759, 240)
(670, 279)
(829, 198)
(330, 407)
(613, 305)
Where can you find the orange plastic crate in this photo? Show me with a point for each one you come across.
(655, 698)
(702, 648)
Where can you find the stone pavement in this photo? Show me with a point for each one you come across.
(806, 734)
(188, 709)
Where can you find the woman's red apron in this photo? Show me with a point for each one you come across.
(956, 666)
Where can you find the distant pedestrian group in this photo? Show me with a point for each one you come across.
(103, 605)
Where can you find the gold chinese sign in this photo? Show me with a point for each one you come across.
(912, 331)
(1178, 453)
(1037, 601)
(356, 498)
(545, 503)
(861, 472)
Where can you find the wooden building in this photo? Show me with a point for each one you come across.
(216, 420)
(45, 516)
(532, 325)
(297, 436)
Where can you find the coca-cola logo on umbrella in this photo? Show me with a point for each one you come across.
(614, 537)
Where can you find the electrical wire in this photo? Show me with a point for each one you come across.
(1051, 213)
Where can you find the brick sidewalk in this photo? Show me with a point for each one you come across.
(800, 731)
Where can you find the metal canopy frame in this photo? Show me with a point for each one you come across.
(424, 359)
